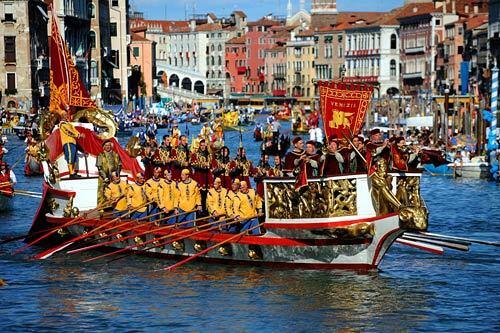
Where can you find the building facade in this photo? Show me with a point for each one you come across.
(236, 65)
(120, 40)
(494, 31)
(275, 70)
(300, 66)
(330, 46)
(143, 78)
(24, 66)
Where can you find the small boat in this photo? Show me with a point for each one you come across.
(477, 168)
(32, 166)
(434, 162)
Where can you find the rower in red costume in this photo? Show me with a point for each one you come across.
(376, 149)
(221, 167)
(180, 157)
(242, 168)
(331, 164)
(291, 156)
(311, 158)
(201, 162)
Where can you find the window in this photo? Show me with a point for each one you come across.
(115, 57)
(10, 48)
(94, 71)
(394, 42)
(11, 81)
(92, 39)
(115, 3)
(137, 53)
(438, 22)
(8, 13)
(113, 29)
(92, 10)
(393, 68)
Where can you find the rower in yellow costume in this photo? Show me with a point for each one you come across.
(69, 134)
(246, 205)
(116, 193)
(216, 199)
(137, 197)
(169, 196)
(153, 191)
(229, 201)
(189, 197)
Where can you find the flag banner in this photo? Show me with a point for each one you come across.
(343, 107)
(67, 91)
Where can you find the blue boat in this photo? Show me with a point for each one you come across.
(438, 170)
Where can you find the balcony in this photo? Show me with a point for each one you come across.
(410, 76)
(279, 76)
(415, 50)
(241, 70)
(279, 93)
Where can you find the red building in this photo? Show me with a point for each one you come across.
(236, 64)
(258, 39)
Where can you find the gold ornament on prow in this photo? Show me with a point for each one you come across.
(52, 205)
(158, 246)
(200, 246)
(68, 210)
(254, 252)
(62, 232)
(75, 212)
(138, 240)
(225, 250)
(119, 236)
(103, 234)
(178, 245)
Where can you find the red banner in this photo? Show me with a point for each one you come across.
(343, 107)
(67, 92)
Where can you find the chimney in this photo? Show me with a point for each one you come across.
(444, 7)
(453, 7)
(192, 25)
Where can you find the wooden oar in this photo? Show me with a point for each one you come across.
(152, 240)
(90, 247)
(421, 246)
(21, 193)
(208, 249)
(449, 245)
(410, 234)
(472, 240)
(48, 253)
(78, 219)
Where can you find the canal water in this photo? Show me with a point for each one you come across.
(413, 291)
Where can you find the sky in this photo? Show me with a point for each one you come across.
(176, 9)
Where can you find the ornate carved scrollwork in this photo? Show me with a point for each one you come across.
(52, 205)
(323, 199)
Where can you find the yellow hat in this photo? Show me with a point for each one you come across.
(185, 172)
(243, 183)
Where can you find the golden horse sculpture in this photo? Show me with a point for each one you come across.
(413, 214)
(101, 118)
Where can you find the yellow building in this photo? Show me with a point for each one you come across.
(300, 56)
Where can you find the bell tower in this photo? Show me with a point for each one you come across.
(323, 13)
(324, 7)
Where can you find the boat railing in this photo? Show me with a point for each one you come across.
(329, 199)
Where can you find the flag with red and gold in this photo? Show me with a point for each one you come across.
(343, 107)
(67, 92)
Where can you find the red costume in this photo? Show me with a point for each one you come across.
(290, 158)
(201, 162)
(181, 157)
(399, 159)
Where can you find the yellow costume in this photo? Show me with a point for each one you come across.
(247, 205)
(153, 190)
(229, 202)
(169, 195)
(216, 201)
(189, 195)
(136, 197)
(69, 134)
(114, 192)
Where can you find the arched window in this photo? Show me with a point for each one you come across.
(394, 42)
(212, 60)
(220, 47)
(219, 61)
(92, 10)
(393, 68)
(169, 60)
(175, 61)
(94, 70)
(92, 39)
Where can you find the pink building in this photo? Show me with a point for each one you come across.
(275, 70)
(143, 61)
(236, 64)
(257, 41)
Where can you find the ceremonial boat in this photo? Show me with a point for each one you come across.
(341, 222)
